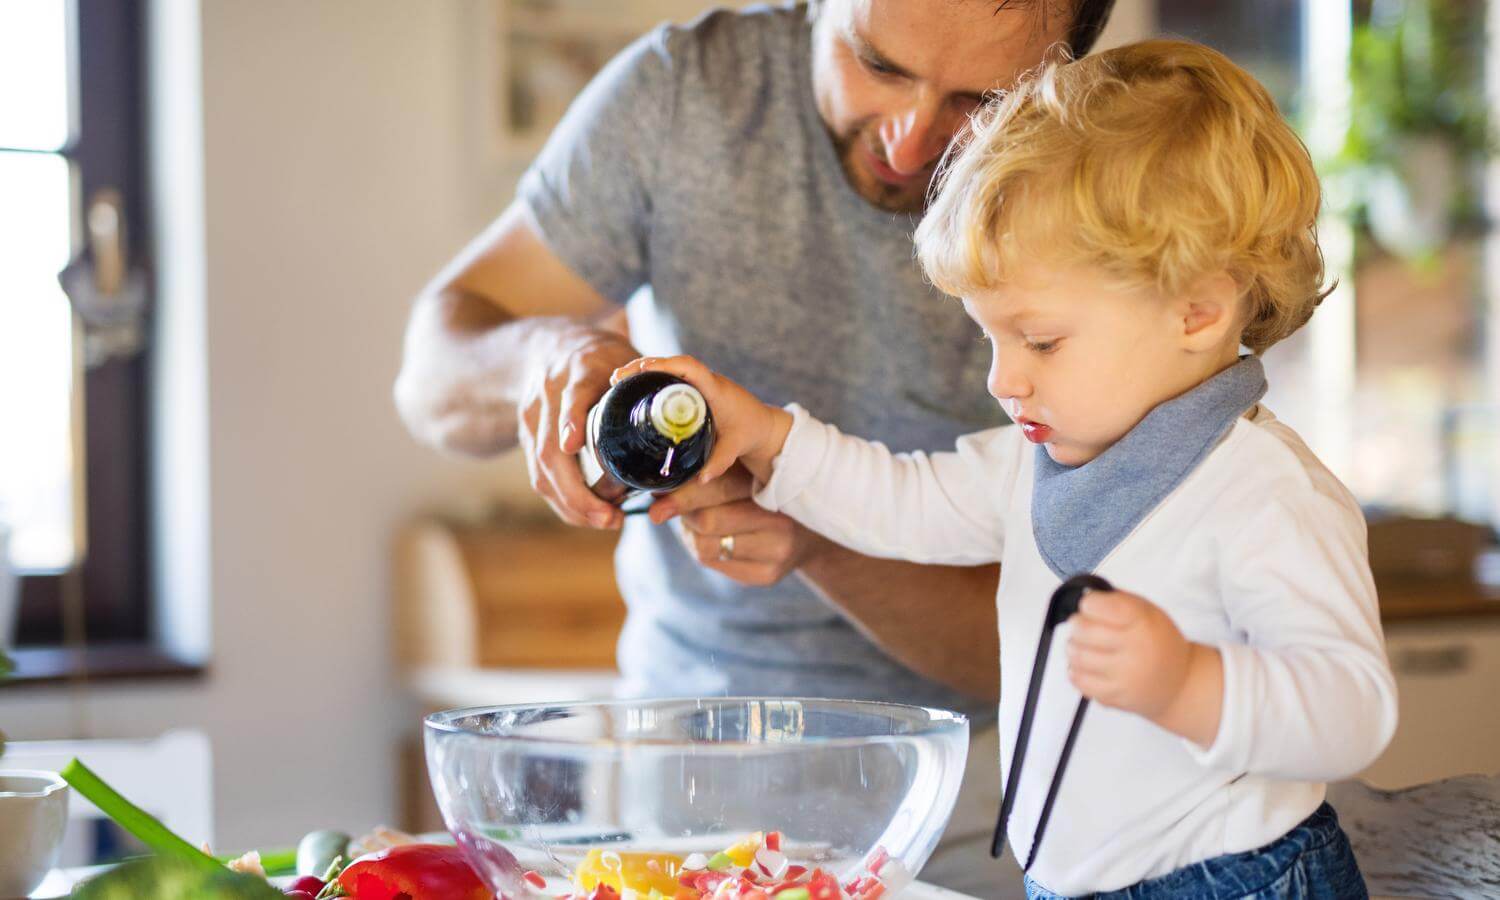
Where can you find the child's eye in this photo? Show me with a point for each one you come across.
(1041, 346)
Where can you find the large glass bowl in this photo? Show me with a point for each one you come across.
(551, 799)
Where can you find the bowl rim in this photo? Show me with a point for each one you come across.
(54, 782)
(941, 721)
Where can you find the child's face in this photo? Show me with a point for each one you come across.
(1078, 359)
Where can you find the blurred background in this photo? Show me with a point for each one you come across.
(213, 526)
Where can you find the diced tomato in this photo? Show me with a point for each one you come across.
(823, 886)
(773, 841)
(704, 882)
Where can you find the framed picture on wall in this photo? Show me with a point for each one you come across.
(549, 50)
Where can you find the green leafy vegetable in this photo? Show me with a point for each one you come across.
(173, 878)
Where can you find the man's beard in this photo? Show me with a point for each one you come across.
(888, 197)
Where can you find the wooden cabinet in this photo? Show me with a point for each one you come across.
(519, 612)
(1448, 679)
(524, 595)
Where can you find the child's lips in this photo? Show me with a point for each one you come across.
(1035, 432)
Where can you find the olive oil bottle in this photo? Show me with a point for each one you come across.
(649, 433)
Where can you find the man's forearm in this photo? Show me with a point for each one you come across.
(464, 369)
(937, 620)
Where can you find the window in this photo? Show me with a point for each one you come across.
(1394, 382)
(72, 378)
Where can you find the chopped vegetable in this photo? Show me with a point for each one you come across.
(318, 849)
(281, 861)
(420, 871)
(173, 878)
(135, 820)
(742, 853)
(640, 872)
(249, 864)
(310, 883)
(756, 868)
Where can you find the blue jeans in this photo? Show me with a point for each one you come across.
(1311, 862)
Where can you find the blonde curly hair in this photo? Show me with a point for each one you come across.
(1161, 161)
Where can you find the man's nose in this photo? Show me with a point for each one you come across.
(915, 137)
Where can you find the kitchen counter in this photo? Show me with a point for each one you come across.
(62, 881)
(1418, 599)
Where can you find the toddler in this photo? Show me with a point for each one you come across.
(1119, 228)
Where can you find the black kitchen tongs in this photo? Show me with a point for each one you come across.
(1063, 605)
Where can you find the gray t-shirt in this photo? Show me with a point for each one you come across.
(695, 181)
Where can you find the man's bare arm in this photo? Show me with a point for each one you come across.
(939, 621)
(475, 329)
(508, 345)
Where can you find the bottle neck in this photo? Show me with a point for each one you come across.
(678, 411)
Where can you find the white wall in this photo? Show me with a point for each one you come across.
(1131, 20)
(344, 157)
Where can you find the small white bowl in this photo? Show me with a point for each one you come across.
(33, 812)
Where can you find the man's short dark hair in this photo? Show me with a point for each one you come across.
(1089, 19)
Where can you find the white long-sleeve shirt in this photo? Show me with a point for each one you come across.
(1259, 551)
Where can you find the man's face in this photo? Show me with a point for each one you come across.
(896, 79)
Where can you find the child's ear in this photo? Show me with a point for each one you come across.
(1210, 313)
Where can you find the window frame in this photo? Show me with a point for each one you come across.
(107, 150)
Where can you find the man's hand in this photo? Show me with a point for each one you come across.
(766, 546)
(568, 375)
(1126, 653)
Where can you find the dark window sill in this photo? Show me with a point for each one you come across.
(97, 663)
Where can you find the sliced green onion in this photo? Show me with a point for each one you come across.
(145, 827)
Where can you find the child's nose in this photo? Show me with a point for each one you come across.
(1007, 382)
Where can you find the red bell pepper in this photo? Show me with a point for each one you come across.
(413, 872)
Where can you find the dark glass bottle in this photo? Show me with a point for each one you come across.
(649, 433)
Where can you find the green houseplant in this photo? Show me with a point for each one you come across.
(1419, 126)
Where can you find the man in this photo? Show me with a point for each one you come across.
(749, 184)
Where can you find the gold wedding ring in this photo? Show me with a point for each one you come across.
(726, 547)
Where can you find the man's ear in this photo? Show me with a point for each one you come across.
(1210, 311)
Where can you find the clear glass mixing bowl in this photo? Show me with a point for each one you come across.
(650, 797)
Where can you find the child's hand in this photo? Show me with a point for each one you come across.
(744, 427)
(1126, 653)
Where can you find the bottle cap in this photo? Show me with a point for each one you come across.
(678, 411)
